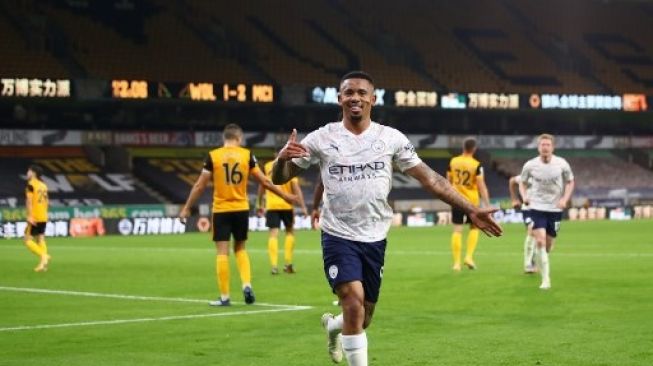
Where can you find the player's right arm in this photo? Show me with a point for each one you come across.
(525, 173)
(284, 169)
(513, 187)
(195, 193)
(29, 193)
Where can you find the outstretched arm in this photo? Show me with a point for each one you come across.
(267, 184)
(439, 186)
(284, 169)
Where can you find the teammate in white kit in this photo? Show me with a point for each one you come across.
(356, 157)
(546, 186)
(529, 242)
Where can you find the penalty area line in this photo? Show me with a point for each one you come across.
(144, 320)
(135, 297)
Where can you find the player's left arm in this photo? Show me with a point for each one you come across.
(439, 186)
(483, 191)
(195, 193)
(297, 191)
(568, 177)
(566, 196)
(482, 187)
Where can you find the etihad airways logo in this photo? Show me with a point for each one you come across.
(356, 168)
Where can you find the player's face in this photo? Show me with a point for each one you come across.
(30, 174)
(545, 147)
(356, 98)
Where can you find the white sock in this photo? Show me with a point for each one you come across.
(529, 250)
(335, 324)
(543, 263)
(355, 347)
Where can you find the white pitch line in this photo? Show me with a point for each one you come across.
(143, 320)
(132, 297)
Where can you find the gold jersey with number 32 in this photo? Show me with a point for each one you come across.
(462, 173)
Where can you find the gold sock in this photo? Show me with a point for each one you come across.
(44, 246)
(222, 273)
(456, 246)
(273, 251)
(242, 260)
(472, 241)
(34, 248)
(288, 248)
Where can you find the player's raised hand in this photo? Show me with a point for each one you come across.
(482, 219)
(293, 149)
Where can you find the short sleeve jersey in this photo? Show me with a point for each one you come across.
(546, 182)
(37, 191)
(463, 171)
(231, 167)
(357, 174)
(272, 201)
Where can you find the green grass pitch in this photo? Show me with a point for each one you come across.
(599, 311)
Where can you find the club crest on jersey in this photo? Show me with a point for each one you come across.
(378, 146)
(333, 271)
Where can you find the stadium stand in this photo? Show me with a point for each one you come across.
(434, 44)
(71, 178)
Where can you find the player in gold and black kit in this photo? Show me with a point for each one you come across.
(36, 206)
(278, 210)
(229, 168)
(466, 175)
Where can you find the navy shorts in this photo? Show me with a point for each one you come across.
(526, 216)
(547, 220)
(348, 260)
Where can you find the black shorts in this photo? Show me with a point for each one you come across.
(459, 217)
(347, 261)
(273, 218)
(37, 229)
(227, 223)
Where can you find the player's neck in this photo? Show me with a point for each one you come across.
(546, 159)
(357, 128)
(231, 143)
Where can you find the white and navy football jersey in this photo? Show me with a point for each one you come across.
(546, 182)
(357, 174)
